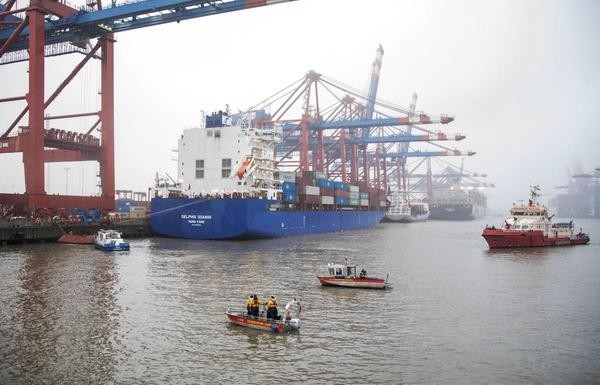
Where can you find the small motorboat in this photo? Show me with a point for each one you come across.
(110, 240)
(289, 321)
(344, 275)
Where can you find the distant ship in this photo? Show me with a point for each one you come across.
(403, 210)
(457, 204)
(529, 226)
(229, 187)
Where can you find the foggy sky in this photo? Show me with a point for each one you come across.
(522, 79)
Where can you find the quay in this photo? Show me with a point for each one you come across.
(23, 231)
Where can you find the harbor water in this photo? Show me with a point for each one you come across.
(458, 313)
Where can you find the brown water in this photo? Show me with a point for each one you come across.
(458, 313)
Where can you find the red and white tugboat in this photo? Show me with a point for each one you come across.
(344, 275)
(288, 321)
(530, 226)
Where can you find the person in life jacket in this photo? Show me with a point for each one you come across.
(272, 308)
(363, 274)
(249, 304)
(255, 305)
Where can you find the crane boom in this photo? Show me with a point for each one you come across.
(75, 25)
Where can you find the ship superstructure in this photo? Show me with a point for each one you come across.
(228, 155)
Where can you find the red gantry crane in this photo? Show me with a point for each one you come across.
(50, 28)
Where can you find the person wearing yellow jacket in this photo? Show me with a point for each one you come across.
(255, 305)
(272, 308)
(249, 304)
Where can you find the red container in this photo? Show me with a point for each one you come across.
(312, 199)
(329, 192)
(304, 181)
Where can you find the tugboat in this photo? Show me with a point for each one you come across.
(530, 226)
(110, 240)
(290, 321)
(344, 275)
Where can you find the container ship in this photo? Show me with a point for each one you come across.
(457, 204)
(530, 226)
(403, 210)
(229, 186)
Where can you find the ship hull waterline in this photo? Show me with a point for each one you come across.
(197, 218)
(503, 239)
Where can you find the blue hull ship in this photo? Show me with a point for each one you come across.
(250, 218)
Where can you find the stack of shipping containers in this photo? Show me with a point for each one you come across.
(313, 188)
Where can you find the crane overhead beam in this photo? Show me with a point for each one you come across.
(79, 25)
(430, 153)
(384, 139)
(402, 121)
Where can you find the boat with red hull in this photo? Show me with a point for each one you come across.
(290, 321)
(530, 226)
(344, 275)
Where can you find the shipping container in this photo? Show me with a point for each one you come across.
(137, 214)
(364, 202)
(341, 193)
(309, 174)
(305, 181)
(340, 186)
(328, 192)
(343, 201)
(288, 187)
(354, 195)
(320, 175)
(287, 176)
(137, 209)
(353, 188)
(309, 190)
(312, 199)
(325, 183)
(364, 195)
(290, 197)
(353, 202)
(327, 200)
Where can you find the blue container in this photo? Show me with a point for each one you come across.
(340, 186)
(325, 183)
(288, 187)
(290, 197)
(342, 201)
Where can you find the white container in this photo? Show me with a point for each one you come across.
(364, 202)
(312, 190)
(327, 200)
(353, 195)
(286, 176)
(352, 188)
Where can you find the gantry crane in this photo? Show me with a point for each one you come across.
(49, 28)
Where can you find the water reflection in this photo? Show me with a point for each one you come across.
(523, 254)
(65, 318)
